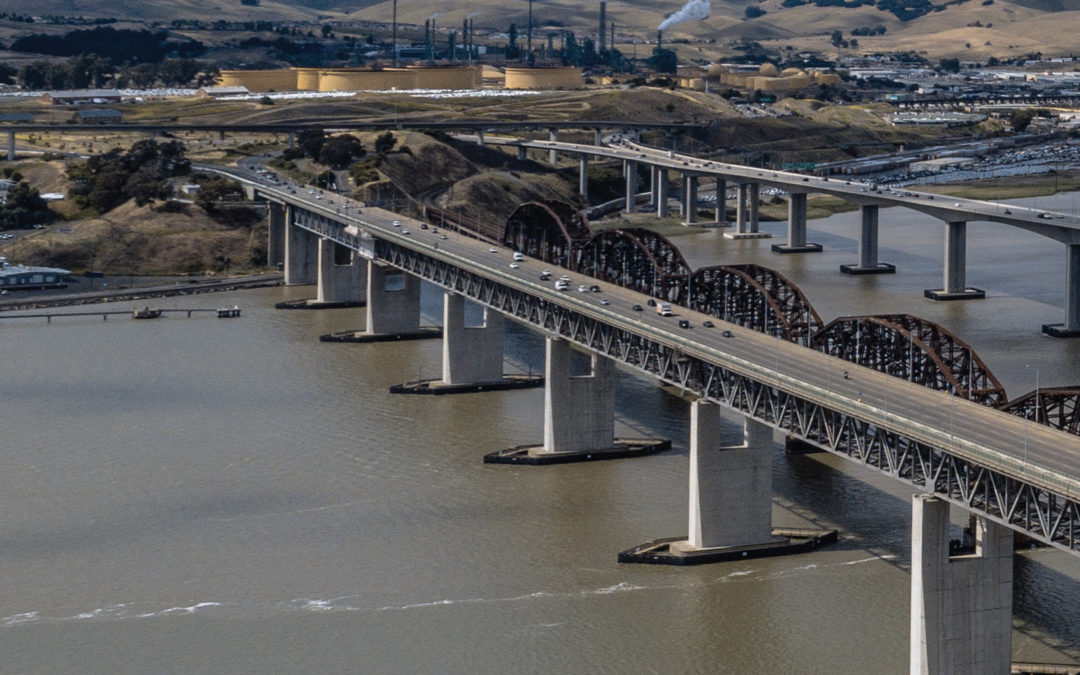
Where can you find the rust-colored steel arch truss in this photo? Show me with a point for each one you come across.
(638, 259)
(1057, 407)
(753, 296)
(550, 231)
(913, 349)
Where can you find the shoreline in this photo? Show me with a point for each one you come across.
(63, 297)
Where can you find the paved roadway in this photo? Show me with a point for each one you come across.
(1059, 226)
(1043, 456)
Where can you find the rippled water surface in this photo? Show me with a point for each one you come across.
(235, 496)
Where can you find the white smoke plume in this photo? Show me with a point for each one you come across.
(693, 9)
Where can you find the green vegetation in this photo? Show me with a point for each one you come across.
(23, 207)
(105, 181)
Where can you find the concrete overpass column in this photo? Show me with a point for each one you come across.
(10, 145)
(472, 355)
(479, 136)
(955, 283)
(746, 214)
(661, 192)
(301, 254)
(553, 155)
(630, 169)
(292, 139)
(393, 301)
(583, 176)
(868, 246)
(598, 137)
(522, 153)
(690, 183)
(721, 202)
(579, 411)
(653, 181)
(342, 275)
(275, 238)
(1071, 327)
(961, 606)
(796, 227)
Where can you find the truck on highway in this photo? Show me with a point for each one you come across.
(663, 308)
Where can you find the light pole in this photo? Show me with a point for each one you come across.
(1036, 389)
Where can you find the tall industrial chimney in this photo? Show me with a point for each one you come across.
(659, 41)
(602, 47)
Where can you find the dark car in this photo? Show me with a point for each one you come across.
(652, 302)
(594, 289)
(638, 308)
(683, 323)
(707, 323)
(727, 333)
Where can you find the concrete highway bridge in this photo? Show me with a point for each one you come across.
(953, 447)
(953, 212)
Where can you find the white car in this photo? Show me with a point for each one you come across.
(514, 265)
(493, 250)
(583, 288)
(518, 256)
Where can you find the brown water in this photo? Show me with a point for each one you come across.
(202, 495)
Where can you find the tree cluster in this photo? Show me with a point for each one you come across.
(90, 70)
(105, 181)
(23, 207)
(123, 46)
(337, 152)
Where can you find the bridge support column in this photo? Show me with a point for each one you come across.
(746, 214)
(479, 136)
(690, 186)
(522, 153)
(721, 203)
(630, 171)
(275, 238)
(796, 227)
(553, 155)
(10, 145)
(393, 304)
(301, 254)
(292, 139)
(730, 514)
(342, 276)
(1071, 327)
(955, 284)
(470, 355)
(653, 180)
(583, 176)
(598, 137)
(579, 414)
(961, 606)
(868, 246)
(661, 192)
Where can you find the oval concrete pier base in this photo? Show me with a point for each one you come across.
(436, 387)
(620, 449)
(424, 333)
(312, 303)
(665, 552)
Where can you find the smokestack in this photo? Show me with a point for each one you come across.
(394, 38)
(603, 27)
(659, 41)
(472, 39)
(611, 42)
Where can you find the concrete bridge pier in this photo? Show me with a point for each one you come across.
(301, 253)
(275, 237)
(292, 139)
(868, 246)
(746, 214)
(522, 153)
(1071, 327)
(690, 198)
(796, 227)
(955, 283)
(653, 180)
(583, 176)
(661, 192)
(961, 606)
(553, 155)
(598, 137)
(10, 145)
(393, 303)
(721, 202)
(579, 414)
(479, 136)
(630, 173)
(342, 276)
(730, 506)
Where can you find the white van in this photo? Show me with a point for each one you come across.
(518, 257)
(663, 308)
(561, 285)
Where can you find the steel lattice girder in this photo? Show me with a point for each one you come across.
(637, 259)
(1058, 407)
(753, 296)
(912, 349)
(1038, 511)
(551, 231)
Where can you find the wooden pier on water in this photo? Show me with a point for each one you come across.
(135, 313)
